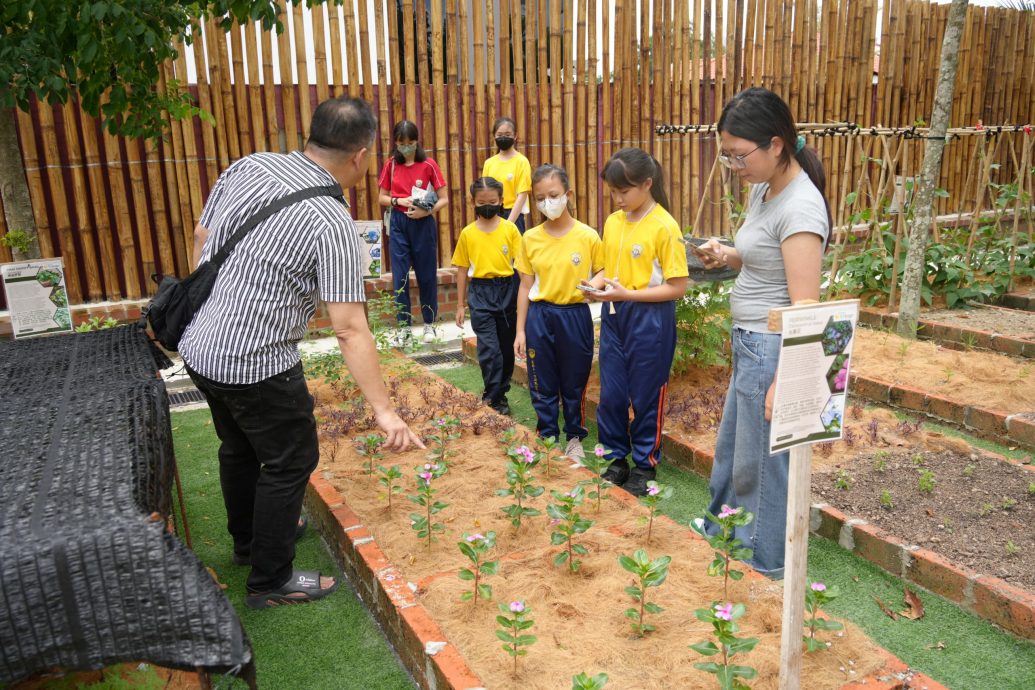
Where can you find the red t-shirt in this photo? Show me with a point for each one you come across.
(425, 175)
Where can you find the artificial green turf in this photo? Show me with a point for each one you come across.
(332, 643)
(974, 655)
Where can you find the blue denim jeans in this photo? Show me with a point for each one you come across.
(745, 474)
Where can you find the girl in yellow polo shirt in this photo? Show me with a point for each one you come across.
(554, 326)
(510, 169)
(485, 254)
(644, 274)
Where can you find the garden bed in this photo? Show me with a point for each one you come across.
(580, 622)
(867, 431)
(998, 329)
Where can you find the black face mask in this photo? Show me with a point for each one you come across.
(488, 210)
(504, 142)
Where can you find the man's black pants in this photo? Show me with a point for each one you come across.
(268, 450)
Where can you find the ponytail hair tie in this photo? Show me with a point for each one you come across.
(800, 144)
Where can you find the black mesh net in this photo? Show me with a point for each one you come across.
(87, 578)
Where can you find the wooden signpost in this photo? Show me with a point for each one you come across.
(809, 405)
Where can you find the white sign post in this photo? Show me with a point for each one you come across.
(809, 405)
(36, 297)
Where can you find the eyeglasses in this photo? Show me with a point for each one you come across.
(737, 162)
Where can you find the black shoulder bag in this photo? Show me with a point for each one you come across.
(177, 301)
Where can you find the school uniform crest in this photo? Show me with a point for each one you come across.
(637, 250)
(506, 250)
(576, 259)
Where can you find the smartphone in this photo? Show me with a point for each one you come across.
(701, 251)
(588, 288)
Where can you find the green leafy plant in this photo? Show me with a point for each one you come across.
(597, 463)
(567, 524)
(723, 619)
(926, 481)
(886, 500)
(513, 622)
(477, 547)
(369, 447)
(389, 477)
(880, 461)
(1031, 488)
(651, 573)
(546, 447)
(918, 459)
(18, 241)
(519, 484)
(1007, 503)
(656, 493)
(424, 524)
(1012, 549)
(818, 595)
(702, 327)
(985, 509)
(96, 323)
(584, 681)
(968, 471)
(444, 430)
(843, 480)
(328, 366)
(726, 546)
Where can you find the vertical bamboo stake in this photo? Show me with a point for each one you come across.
(566, 70)
(51, 161)
(34, 178)
(239, 92)
(1021, 202)
(81, 221)
(556, 75)
(406, 55)
(579, 133)
(589, 201)
(480, 133)
(388, 16)
(489, 87)
(319, 19)
(607, 106)
(219, 83)
(270, 57)
(98, 194)
(258, 128)
(335, 20)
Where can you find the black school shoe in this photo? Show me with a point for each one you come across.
(618, 472)
(501, 406)
(638, 478)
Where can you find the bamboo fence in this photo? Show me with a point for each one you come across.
(119, 210)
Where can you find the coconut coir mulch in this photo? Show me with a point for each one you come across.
(579, 617)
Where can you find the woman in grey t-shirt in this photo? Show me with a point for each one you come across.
(779, 253)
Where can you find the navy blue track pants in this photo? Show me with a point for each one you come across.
(493, 303)
(637, 344)
(559, 347)
(414, 243)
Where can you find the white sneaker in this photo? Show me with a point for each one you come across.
(574, 451)
(697, 525)
(430, 334)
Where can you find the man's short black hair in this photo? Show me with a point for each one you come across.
(343, 124)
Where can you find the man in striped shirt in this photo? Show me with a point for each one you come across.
(240, 349)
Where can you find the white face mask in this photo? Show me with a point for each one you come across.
(553, 208)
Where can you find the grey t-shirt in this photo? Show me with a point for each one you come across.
(762, 283)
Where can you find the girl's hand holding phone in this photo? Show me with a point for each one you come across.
(710, 253)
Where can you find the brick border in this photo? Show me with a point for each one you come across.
(990, 598)
(953, 336)
(1003, 427)
(1018, 300)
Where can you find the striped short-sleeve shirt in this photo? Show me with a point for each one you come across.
(267, 290)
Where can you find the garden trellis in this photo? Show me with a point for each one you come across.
(120, 209)
(877, 158)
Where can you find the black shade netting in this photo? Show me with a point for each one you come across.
(88, 575)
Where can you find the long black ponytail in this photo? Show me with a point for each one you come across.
(758, 115)
(631, 167)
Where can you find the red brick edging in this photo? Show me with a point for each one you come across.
(951, 335)
(988, 597)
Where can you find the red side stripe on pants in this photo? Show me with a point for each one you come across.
(653, 456)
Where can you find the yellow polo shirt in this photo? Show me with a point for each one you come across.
(559, 263)
(644, 253)
(487, 254)
(515, 174)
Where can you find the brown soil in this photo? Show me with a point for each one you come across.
(1014, 323)
(969, 519)
(579, 617)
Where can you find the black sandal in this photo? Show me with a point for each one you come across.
(246, 559)
(302, 582)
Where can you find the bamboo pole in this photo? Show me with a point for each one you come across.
(578, 132)
(255, 91)
(239, 96)
(589, 202)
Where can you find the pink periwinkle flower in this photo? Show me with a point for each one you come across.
(554, 522)
(474, 537)
(517, 606)
(573, 494)
(599, 451)
(818, 587)
(653, 490)
(724, 611)
(728, 512)
(426, 476)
